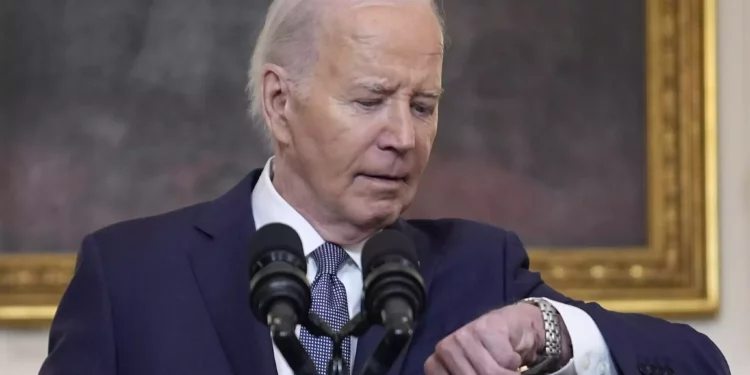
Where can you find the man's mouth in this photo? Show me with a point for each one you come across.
(384, 177)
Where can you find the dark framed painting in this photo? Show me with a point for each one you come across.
(587, 127)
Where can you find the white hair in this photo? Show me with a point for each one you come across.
(288, 39)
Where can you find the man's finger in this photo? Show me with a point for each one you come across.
(451, 355)
(433, 367)
(480, 359)
(498, 346)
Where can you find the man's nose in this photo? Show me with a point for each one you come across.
(399, 134)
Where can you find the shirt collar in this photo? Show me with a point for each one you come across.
(270, 207)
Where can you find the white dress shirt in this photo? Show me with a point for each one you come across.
(591, 355)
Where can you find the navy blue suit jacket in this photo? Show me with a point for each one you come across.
(168, 295)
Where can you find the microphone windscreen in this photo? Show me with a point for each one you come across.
(275, 237)
(387, 244)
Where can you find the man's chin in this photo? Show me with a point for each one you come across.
(377, 215)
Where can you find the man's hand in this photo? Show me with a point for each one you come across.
(497, 343)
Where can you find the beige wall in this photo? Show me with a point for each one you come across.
(731, 330)
(22, 352)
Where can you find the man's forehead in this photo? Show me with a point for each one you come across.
(383, 47)
(368, 20)
(379, 30)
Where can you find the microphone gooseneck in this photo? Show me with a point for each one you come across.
(279, 290)
(394, 295)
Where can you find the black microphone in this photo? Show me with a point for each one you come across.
(279, 290)
(394, 294)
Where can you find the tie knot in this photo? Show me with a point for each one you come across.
(329, 257)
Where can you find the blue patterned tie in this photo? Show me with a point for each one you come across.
(329, 303)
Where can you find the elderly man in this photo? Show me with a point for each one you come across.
(348, 92)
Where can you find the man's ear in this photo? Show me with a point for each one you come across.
(275, 96)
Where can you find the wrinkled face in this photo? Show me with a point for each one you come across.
(362, 136)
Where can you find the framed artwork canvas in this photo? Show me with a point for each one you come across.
(587, 127)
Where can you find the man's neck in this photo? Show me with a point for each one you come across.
(295, 191)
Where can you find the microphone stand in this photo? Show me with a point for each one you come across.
(354, 327)
(387, 351)
(283, 334)
(398, 333)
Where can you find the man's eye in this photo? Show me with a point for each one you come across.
(423, 110)
(369, 103)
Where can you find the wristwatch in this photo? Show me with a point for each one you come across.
(549, 358)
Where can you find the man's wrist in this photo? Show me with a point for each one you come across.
(537, 326)
(547, 324)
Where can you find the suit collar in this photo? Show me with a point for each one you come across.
(227, 210)
(220, 266)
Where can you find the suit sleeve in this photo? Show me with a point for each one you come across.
(638, 344)
(81, 338)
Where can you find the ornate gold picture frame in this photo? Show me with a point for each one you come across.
(675, 274)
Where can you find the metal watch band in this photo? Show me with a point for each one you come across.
(552, 336)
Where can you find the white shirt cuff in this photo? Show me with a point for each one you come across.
(590, 352)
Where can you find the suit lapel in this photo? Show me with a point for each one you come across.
(369, 341)
(220, 266)
(366, 345)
